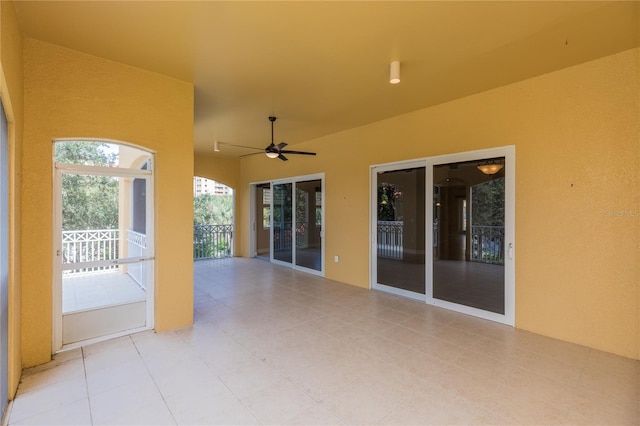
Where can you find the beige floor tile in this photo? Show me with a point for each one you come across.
(278, 404)
(250, 378)
(359, 404)
(109, 353)
(437, 405)
(482, 366)
(420, 364)
(130, 405)
(116, 375)
(235, 414)
(202, 400)
(317, 414)
(73, 413)
(47, 398)
(320, 382)
(484, 392)
(34, 378)
(183, 376)
(404, 415)
(274, 346)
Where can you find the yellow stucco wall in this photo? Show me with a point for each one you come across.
(577, 137)
(11, 93)
(70, 94)
(223, 170)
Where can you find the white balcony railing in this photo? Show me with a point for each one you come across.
(487, 244)
(137, 247)
(390, 243)
(89, 246)
(95, 245)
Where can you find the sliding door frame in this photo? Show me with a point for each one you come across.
(508, 152)
(254, 225)
(389, 167)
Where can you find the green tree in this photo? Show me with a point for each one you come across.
(209, 209)
(387, 196)
(488, 203)
(88, 202)
(87, 153)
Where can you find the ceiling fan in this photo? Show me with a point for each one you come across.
(273, 150)
(277, 151)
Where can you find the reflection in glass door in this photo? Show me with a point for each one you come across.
(262, 223)
(282, 229)
(309, 224)
(400, 231)
(469, 234)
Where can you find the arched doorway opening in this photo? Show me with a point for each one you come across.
(104, 241)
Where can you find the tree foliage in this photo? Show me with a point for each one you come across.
(88, 202)
(488, 203)
(209, 209)
(388, 194)
(87, 153)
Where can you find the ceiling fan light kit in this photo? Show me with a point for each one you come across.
(277, 151)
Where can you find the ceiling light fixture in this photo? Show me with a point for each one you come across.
(272, 154)
(216, 146)
(490, 167)
(394, 72)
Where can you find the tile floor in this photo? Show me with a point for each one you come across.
(85, 291)
(275, 346)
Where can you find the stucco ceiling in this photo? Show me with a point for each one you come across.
(323, 67)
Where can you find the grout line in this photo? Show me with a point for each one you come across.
(86, 384)
(152, 378)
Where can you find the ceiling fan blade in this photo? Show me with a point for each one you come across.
(297, 152)
(243, 146)
(282, 157)
(253, 153)
(281, 145)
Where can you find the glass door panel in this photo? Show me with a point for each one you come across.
(469, 234)
(309, 224)
(282, 223)
(400, 260)
(263, 220)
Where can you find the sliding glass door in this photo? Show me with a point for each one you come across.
(308, 226)
(400, 233)
(456, 251)
(288, 221)
(262, 224)
(469, 234)
(282, 229)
